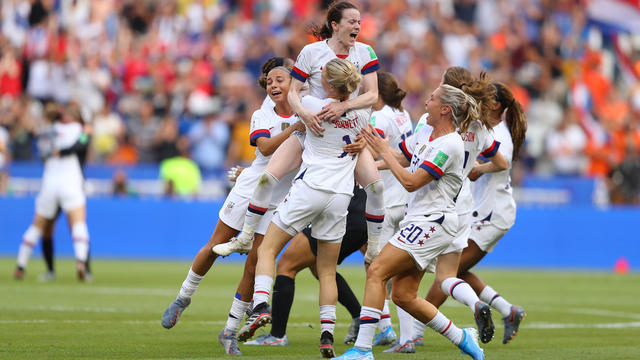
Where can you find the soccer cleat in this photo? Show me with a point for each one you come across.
(469, 345)
(269, 340)
(326, 345)
(81, 269)
(352, 334)
(356, 354)
(47, 277)
(484, 322)
(386, 337)
(259, 317)
(407, 348)
(239, 244)
(18, 274)
(418, 341)
(512, 323)
(172, 314)
(229, 342)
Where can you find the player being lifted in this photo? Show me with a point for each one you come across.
(319, 196)
(338, 40)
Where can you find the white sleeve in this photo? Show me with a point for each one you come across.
(260, 127)
(312, 103)
(302, 67)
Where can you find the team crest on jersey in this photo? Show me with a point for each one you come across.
(229, 207)
(283, 126)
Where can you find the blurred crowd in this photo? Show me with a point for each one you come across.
(161, 78)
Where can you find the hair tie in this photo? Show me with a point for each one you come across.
(283, 68)
(463, 84)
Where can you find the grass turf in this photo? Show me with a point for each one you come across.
(570, 315)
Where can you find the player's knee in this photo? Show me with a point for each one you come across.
(80, 230)
(401, 298)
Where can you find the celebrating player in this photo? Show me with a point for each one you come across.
(320, 195)
(430, 225)
(62, 186)
(269, 128)
(338, 35)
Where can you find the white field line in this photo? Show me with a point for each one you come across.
(539, 325)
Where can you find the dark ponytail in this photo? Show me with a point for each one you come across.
(334, 13)
(389, 91)
(515, 116)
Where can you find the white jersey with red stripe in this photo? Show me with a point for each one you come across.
(395, 125)
(315, 56)
(265, 122)
(325, 165)
(442, 158)
(477, 141)
(492, 193)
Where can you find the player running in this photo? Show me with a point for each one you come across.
(430, 225)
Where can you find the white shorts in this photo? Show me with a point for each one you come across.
(68, 196)
(391, 224)
(327, 212)
(486, 235)
(234, 210)
(423, 240)
(462, 236)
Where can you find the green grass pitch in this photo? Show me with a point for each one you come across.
(570, 315)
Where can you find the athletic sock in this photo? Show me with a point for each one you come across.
(460, 291)
(496, 301)
(369, 318)
(283, 291)
(29, 241)
(262, 289)
(47, 252)
(259, 203)
(346, 297)
(446, 327)
(385, 318)
(405, 321)
(418, 328)
(80, 235)
(374, 211)
(327, 318)
(236, 314)
(189, 285)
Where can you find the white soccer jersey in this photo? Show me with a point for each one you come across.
(325, 166)
(492, 193)
(443, 159)
(63, 168)
(315, 56)
(421, 122)
(396, 126)
(477, 141)
(264, 123)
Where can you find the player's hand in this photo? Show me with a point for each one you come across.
(355, 147)
(234, 172)
(475, 173)
(332, 111)
(299, 126)
(312, 122)
(377, 143)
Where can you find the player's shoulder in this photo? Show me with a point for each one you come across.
(316, 46)
(313, 103)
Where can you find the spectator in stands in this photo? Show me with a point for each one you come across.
(209, 139)
(180, 174)
(566, 145)
(142, 128)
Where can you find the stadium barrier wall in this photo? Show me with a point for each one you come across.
(567, 237)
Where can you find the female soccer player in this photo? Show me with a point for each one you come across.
(494, 208)
(62, 185)
(269, 128)
(338, 40)
(430, 225)
(319, 195)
